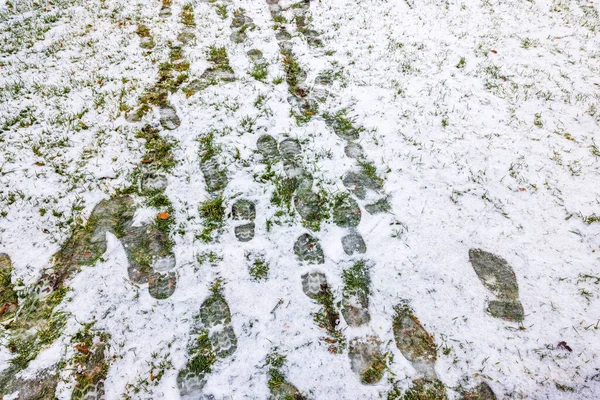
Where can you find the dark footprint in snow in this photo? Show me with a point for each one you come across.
(307, 248)
(309, 206)
(150, 258)
(312, 283)
(280, 387)
(168, 117)
(267, 146)
(354, 150)
(162, 285)
(213, 339)
(355, 295)
(380, 206)
(244, 210)
(366, 359)
(165, 12)
(147, 247)
(354, 243)
(256, 56)
(358, 182)
(481, 392)
(346, 212)
(214, 175)
(240, 24)
(499, 278)
(290, 149)
(413, 341)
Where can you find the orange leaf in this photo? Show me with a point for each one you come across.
(163, 215)
(82, 348)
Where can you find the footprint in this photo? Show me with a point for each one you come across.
(92, 366)
(312, 283)
(346, 212)
(240, 24)
(214, 339)
(413, 341)
(381, 205)
(366, 359)
(41, 386)
(168, 117)
(499, 278)
(353, 243)
(214, 176)
(290, 149)
(354, 150)
(244, 209)
(256, 56)
(480, 392)
(280, 387)
(355, 300)
(358, 182)
(308, 249)
(267, 146)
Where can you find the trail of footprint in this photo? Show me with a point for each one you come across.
(148, 248)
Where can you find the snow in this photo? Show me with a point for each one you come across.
(491, 179)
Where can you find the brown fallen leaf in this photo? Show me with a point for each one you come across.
(494, 51)
(82, 348)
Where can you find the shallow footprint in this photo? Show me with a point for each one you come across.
(354, 243)
(413, 341)
(312, 283)
(359, 182)
(244, 210)
(346, 212)
(480, 392)
(355, 301)
(214, 339)
(308, 249)
(499, 278)
(366, 359)
(267, 146)
(290, 148)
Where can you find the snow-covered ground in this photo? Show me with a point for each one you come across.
(482, 118)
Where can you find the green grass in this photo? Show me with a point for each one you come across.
(158, 149)
(259, 269)
(221, 10)
(284, 192)
(202, 356)
(213, 213)
(259, 72)
(356, 279)
(218, 55)
(187, 15)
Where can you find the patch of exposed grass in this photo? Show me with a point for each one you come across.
(158, 149)
(328, 317)
(212, 212)
(187, 15)
(259, 72)
(259, 269)
(356, 279)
